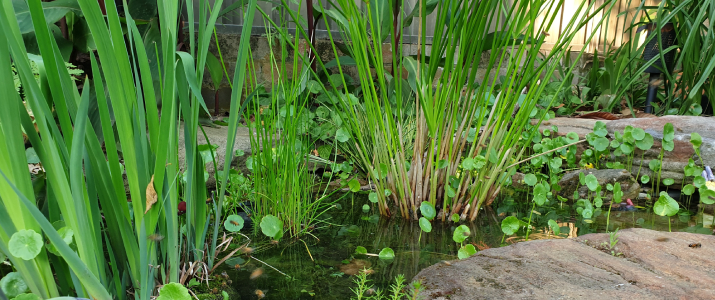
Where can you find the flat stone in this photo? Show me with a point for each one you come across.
(570, 183)
(580, 126)
(673, 161)
(649, 265)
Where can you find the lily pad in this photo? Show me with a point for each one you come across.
(372, 197)
(233, 223)
(25, 244)
(461, 233)
(510, 225)
(425, 225)
(354, 185)
(365, 208)
(386, 254)
(271, 226)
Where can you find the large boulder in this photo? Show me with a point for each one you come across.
(569, 183)
(647, 265)
(673, 161)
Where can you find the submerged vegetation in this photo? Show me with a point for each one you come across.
(414, 145)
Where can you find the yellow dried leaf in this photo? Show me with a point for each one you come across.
(150, 195)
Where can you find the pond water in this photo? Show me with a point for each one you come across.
(319, 266)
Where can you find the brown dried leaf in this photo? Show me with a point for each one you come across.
(599, 115)
(150, 195)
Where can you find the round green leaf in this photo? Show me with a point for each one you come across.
(360, 250)
(571, 137)
(626, 148)
(271, 226)
(386, 254)
(540, 193)
(587, 213)
(466, 251)
(600, 129)
(668, 181)
(365, 208)
(665, 206)
(696, 140)
(668, 145)
(668, 132)
(27, 297)
(342, 135)
(591, 182)
(645, 143)
(173, 291)
(427, 210)
(707, 196)
(638, 133)
(372, 197)
(425, 225)
(530, 179)
(510, 225)
(455, 218)
(645, 179)
(67, 235)
(654, 165)
(233, 223)
(25, 244)
(600, 144)
(13, 284)
(468, 163)
(699, 181)
(461, 233)
(354, 185)
(688, 189)
(554, 227)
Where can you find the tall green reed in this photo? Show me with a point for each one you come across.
(85, 187)
(463, 150)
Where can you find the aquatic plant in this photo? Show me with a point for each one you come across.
(87, 208)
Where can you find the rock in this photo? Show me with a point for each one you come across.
(570, 183)
(517, 181)
(219, 136)
(651, 265)
(580, 126)
(673, 161)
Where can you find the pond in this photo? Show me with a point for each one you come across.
(320, 266)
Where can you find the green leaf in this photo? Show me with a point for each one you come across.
(425, 225)
(25, 244)
(654, 165)
(450, 191)
(173, 291)
(707, 196)
(688, 189)
(314, 87)
(455, 218)
(645, 143)
(233, 223)
(386, 254)
(461, 233)
(427, 209)
(372, 197)
(600, 129)
(638, 133)
(617, 193)
(13, 285)
(645, 179)
(554, 227)
(696, 140)
(540, 191)
(668, 132)
(530, 179)
(555, 163)
(468, 163)
(271, 226)
(342, 135)
(668, 145)
(67, 236)
(31, 156)
(365, 208)
(668, 181)
(571, 137)
(354, 185)
(360, 250)
(215, 69)
(27, 297)
(442, 164)
(466, 251)
(600, 144)
(53, 11)
(591, 182)
(206, 151)
(699, 182)
(510, 225)
(626, 148)
(665, 206)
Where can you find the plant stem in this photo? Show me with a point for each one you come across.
(528, 228)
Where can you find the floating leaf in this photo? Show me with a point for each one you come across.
(666, 205)
(13, 284)
(591, 182)
(372, 197)
(386, 254)
(173, 291)
(461, 233)
(271, 226)
(425, 225)
(510, 225)
(25, 244)
(466, 251)
(455, 218)
(360, 250)
(151, 196)
(554, 227)
(365, 208)
(645, 143)
(427, 209)
(233, 223)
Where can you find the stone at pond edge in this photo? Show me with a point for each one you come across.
(570, 182)
(653, 265)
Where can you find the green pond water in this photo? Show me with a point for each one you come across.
(317, 265)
